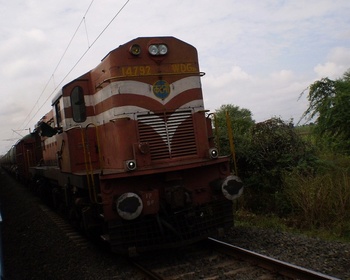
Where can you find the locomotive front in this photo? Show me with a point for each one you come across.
(162, 182)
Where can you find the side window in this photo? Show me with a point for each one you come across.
(58, 113)
(78, 104)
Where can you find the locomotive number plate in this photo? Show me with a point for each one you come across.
(136, 70)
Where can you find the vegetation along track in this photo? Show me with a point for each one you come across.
(220, 260)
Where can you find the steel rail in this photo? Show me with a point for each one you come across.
(283, 268)
(151, 274)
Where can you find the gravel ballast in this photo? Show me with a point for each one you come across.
(34, 247)
(328, 257)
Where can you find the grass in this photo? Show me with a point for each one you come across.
(247, 219)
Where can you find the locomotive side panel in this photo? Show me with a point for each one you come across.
(80, 146)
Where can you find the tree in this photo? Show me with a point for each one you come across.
(241, 123)
(329, 103)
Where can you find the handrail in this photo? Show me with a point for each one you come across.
(86, 164)
(201, 74)
(216, 131)
(230, 138)
(98, 144)
(29, 158)
(90, 162)
(87, 160)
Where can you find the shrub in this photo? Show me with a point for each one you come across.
(322, 199)
(275, 149)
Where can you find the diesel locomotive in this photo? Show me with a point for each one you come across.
(128, 151)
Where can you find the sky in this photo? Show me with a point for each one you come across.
(257, 54)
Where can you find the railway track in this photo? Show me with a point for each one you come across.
(271, 264)
(211, 260)
(220, 260)
(32, 242)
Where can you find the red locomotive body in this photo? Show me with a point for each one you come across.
(129, 149)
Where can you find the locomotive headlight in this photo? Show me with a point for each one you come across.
(129, 206)
(213, 153)
(163, 49)
(232, 187)
(130, 165)
(160, 49)
(153, 50)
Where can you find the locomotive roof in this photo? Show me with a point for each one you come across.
(56, 97)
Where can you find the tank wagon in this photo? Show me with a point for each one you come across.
(128, 150)
(25, 153)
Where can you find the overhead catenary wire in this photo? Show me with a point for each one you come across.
(55, 69)
(75, 64)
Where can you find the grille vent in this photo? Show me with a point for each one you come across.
(169, 135)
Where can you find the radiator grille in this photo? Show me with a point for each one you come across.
(169, 135)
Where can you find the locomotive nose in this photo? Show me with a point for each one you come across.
(232, 187)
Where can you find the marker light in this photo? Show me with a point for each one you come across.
(213, 153)
(135, 49)
(130, 165)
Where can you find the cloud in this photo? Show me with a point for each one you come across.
(284, 76)
(266, 96)
(36, 35)
(338, 61)
(236, 74)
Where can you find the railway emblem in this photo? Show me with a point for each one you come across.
(161, 89)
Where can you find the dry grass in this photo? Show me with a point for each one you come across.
(321, 201)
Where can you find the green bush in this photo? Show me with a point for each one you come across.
(275, 148)
(288, 172)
